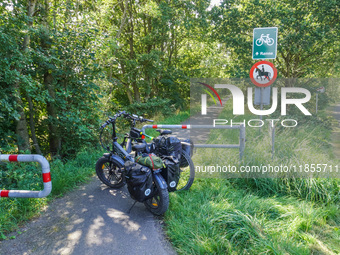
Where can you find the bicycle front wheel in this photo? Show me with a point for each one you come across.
(159, 203)
(187, 172)
(110, 172)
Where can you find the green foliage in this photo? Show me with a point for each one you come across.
(152, 107)
(56, 71)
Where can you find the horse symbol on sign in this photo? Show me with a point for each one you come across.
(262, 73)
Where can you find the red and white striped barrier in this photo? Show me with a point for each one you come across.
(192, 127)
(168, 126)
(45, 175)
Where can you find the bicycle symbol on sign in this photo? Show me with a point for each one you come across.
(264, 39)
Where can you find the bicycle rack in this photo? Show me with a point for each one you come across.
(45, 175)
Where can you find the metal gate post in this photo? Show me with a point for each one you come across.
(242, 140)
(45, 175)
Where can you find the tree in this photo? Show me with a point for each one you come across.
(307, 34)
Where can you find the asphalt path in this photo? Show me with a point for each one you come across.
(91, 220)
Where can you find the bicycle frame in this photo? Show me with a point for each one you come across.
(117, 149)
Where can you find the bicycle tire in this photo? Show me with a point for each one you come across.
(159, 203)
(187, 172)
(270, 42)
(107, 169)
(259, 42)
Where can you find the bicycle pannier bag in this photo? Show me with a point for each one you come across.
(171, 173)
(139, 181)
(167, 146)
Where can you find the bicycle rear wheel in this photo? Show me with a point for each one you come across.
(187, 172)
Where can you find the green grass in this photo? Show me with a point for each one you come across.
(218, 217)
(260, 215)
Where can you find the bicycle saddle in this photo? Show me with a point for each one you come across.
(164, 132)
(139, 147)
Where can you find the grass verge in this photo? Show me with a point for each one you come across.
(262, 215)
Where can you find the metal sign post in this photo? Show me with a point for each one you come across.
(318, 90)
(263, 73)
(316, 105)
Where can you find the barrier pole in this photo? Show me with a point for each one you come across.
(46, 176)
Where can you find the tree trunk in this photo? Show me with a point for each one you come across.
(52, 115)
(21, 128)
(32, 126)
(136, 92)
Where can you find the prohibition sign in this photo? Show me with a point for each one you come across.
(263, 74)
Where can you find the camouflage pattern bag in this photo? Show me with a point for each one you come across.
(150, 160)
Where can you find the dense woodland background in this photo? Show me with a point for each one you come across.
(65, 65)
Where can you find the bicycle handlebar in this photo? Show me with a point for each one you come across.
(126, 115)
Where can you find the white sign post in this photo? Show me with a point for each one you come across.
(318, 90)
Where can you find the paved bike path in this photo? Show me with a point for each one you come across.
(91, 220)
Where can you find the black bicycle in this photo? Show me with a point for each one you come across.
(110, 168)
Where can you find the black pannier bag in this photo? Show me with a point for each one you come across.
(139, 181)
(188, 147)
(171, 173)
(167, 146)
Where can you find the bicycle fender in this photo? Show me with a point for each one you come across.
(118, 160)
(160, 180)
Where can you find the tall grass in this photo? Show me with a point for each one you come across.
(260, 215)
(307, 144)
(218, 217)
